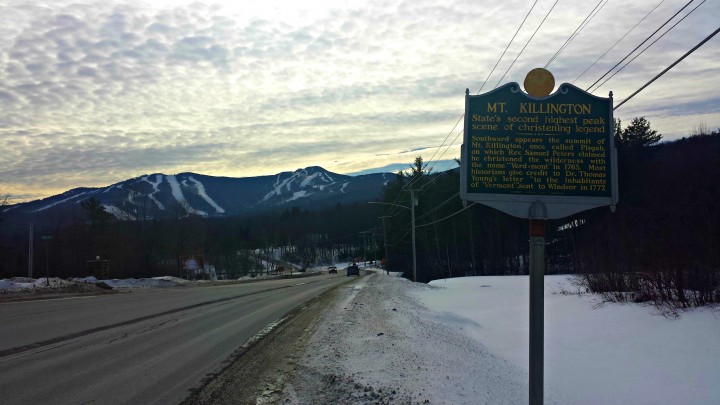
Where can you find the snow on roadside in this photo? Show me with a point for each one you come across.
(613, 354)
(378, 344)
(19, 284)
(156, 282)
(24, 283)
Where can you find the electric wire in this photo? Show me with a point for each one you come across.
(641, 44)
(481, 87)
(449, 216)
(526, 44)
(506, 72)
(401, 238)
(439, 206)
(616, 107)
(577, 31)
(651, 44)
(669, 67)
(618, 41)
(508, 46)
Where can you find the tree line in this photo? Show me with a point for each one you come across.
(661, 245)
(67, 241)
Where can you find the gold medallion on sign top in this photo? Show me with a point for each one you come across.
(539, 82)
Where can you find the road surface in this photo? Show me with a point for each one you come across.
(147, 346)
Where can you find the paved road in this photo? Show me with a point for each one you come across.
(148, 346)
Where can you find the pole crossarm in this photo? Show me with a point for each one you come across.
(384, 203)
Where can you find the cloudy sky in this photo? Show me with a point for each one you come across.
(97, 91)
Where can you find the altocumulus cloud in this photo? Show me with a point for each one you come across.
(95, 92)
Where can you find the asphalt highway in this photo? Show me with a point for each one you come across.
(147, 346)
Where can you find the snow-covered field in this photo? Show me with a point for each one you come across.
(465, 341)
(611, 354)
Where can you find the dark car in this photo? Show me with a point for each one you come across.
(332, 270)
(353, 270)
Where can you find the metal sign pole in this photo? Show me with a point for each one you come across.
(552, 154)
(538, 224)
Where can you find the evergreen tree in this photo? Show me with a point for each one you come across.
(95, 211)
(639, 134)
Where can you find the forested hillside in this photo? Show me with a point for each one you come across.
(661, 244)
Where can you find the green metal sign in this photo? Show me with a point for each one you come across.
(557, 150)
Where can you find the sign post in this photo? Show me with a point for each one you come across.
(538, 156)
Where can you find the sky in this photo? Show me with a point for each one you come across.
(95, 92)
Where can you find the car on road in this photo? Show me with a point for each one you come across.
(332, 270)
(353, 270)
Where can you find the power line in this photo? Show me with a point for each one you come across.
(481, 87)
(401, 238)
(577, 31)
(449, 216)
(641, 44)
(508, 46)
(651, 44)
(526, 44)
(618, 41)
(511, 65)
(430, 162)
(669, 67)
(439, 206)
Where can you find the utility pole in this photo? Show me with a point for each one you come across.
(30, 255)
(385, 242)
(47, 239)
(413, 202)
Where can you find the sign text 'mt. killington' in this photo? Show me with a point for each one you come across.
(542, 108)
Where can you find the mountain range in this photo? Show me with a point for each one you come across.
(161, 196)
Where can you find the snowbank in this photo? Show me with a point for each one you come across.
(607, 354)
(157, 282)
(379, 345)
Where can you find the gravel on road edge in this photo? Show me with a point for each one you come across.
(258, 371)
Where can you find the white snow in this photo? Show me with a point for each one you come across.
(297, 176)
(60, 202)
(117, 212)
(297, 195)
(180, 198)
(342, 189)
(201, 192)
(608, 354)
(277, 187)
(155, 184)
(165, 281)
(10, 285)
(465, 341)
(308, 180)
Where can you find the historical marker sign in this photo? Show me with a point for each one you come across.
(557, 150)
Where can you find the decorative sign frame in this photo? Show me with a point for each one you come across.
(556, 152)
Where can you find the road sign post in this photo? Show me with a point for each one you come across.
(538, 156)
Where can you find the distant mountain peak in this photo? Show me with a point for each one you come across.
(158, 195)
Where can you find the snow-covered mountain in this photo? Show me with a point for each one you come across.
(159, 195)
